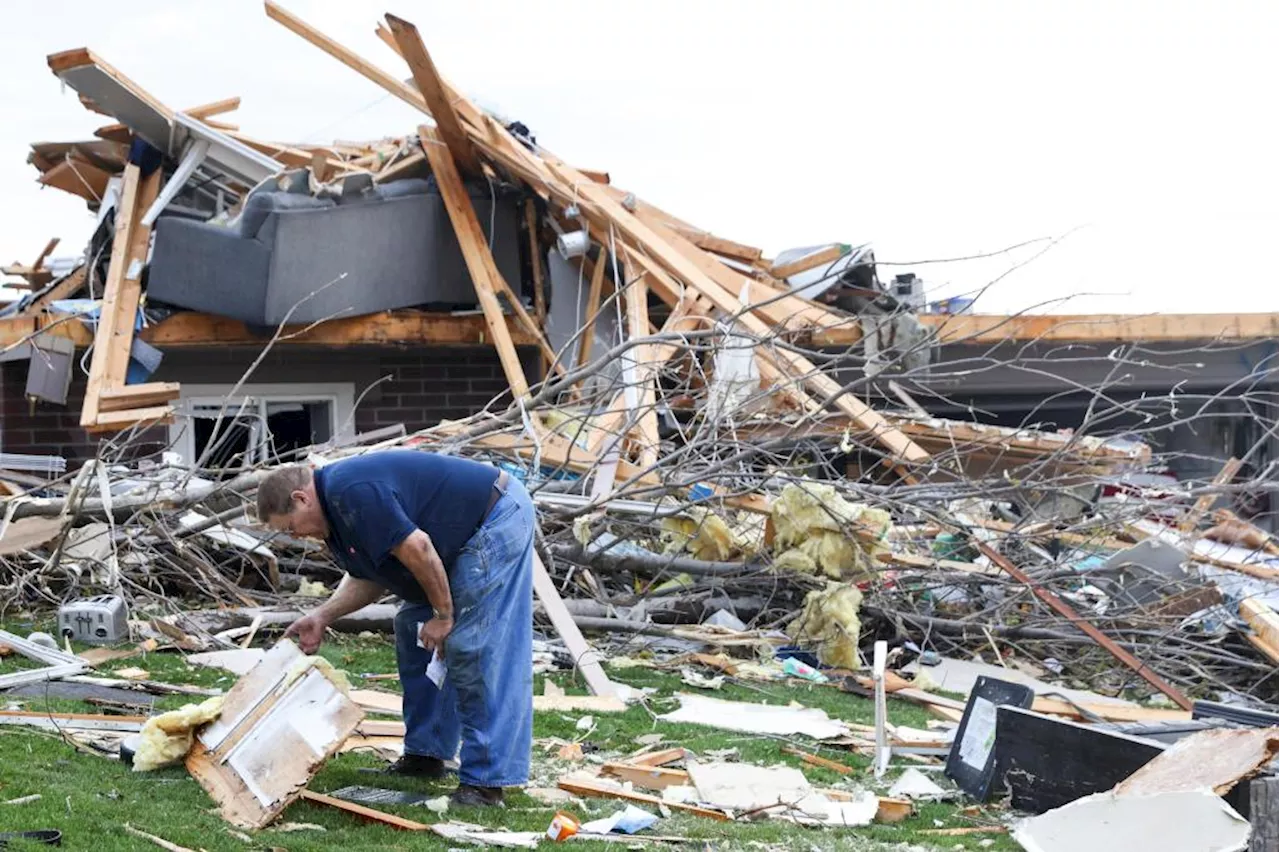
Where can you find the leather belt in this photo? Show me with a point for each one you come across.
(495, 494)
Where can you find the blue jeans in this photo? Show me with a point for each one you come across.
(486, 700)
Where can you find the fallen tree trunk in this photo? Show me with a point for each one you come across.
(155, 498)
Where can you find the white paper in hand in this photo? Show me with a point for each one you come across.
(436, 669)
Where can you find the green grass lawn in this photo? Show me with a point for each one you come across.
(90, 798)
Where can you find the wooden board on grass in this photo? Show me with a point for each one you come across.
(277, 728)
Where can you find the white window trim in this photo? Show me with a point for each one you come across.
(341, 395)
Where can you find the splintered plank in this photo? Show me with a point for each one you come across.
(587, 338)
(115, 421)
(274, 734)
(818, 760)
(367, 814)
(596, 201)
(830, 254)
(147, 395)
(432, 89)
(649, 777)
(1086, 627)
(213, 108)
(584, 787)
(584, 657)
(363, 67)
(112, 296)
(539, 297)
(1204, 501)
(640, 357)
(476, 254)
(1265, 626)
(393, 327)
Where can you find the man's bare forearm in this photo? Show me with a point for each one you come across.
(352, 594)
(418, 554)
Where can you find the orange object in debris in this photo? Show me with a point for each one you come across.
(563, 826)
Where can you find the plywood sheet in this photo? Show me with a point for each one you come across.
(1208, 760)
(279, 724)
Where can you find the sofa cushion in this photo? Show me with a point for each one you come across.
(263, 203)
(401, 188)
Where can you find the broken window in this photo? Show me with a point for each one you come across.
(261, 425)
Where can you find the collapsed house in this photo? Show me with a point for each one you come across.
(724, 447)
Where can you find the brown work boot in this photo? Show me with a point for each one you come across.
(417, 766)
(470, 796)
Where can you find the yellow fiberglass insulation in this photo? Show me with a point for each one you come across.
(829, 622)
(167, 738)
(708, 536)
(302, 665)
(817, 530)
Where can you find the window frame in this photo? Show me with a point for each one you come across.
(339, 395)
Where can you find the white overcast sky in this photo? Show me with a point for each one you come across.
(1147, 133)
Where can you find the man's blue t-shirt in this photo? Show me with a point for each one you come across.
(374, 501)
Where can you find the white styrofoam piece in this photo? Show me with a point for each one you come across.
(1198, 821)
(756, 718)
(744, 787)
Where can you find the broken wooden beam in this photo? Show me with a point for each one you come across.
(432, 89)
(585, 659)
(146, 395)
(1064, 609)
(364, 813)
(810, 261)
(586, 787)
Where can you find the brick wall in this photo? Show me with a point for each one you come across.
(417, 387)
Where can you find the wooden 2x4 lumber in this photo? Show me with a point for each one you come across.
(115, 421)
(475, 252)
(189, 329)
(367, 69)
(585, 659)
(148, 395)
(782, 310)
(432, 89)
(288, 155)
(828, 255)
(124, 315)
(586, 340)
(1102, 328)
(687, 315)
(429, 138)
(637, 299)
(725, 248)
(125, 222)
(44, 253)
(592, 196)
(535, 258)
(203, 111)
(387, 329)
(1192, 518)
(367, 814)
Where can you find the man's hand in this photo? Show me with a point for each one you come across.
(310, 632)
(434, 632)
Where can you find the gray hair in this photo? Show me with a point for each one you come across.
(275, 494)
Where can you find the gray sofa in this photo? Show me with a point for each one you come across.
(394, 242)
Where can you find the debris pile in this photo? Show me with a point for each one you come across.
(727, 485)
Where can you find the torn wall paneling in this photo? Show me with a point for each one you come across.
(278, 725)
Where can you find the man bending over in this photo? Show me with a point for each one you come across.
(454, 539)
